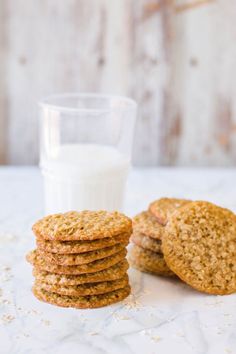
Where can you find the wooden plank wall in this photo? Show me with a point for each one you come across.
(176, 58)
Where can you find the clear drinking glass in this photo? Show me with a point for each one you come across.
(85, 150)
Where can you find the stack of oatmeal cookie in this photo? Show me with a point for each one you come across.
(80, 258)
(148, 230)
(194, 240)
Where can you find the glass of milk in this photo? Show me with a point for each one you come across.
(85, 150)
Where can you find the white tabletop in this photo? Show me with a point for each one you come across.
(162, 315)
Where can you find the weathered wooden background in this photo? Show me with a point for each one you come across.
(176, 58)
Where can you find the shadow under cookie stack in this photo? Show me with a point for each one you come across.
(148, 229)
(80, 259)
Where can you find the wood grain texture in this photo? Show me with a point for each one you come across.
(3, 83)
(176, 58)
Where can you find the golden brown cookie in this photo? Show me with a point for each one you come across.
(79, 258)
(146, 224)
(84, 289)
(147, 243)
(84, 225)
(39, 262)
(69, 247)
(116, 271)
(163, 208)
(149, 261)
(82, 302)
(200, 247)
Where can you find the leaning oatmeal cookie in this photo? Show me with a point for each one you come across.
(84, 225)
(199, 245)
(147, 243)
(148, 261)
(146, 224)
(163, 208)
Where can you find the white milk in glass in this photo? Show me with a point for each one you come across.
(84, 176)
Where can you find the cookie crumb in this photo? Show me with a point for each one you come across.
(7, 237)
(46, 322)
(180, 334)
(132, 303)
(7, 318)
(121, 317)
(125, 318)
(34, 312)
(93, 333)
(156, 338)
(6, 268)
(5, 274)
(5, 301)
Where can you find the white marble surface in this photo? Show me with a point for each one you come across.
(162, 315)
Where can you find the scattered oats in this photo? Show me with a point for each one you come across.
(170, 319)
(120, 317)
(93, 333)
(22, 334)
(131, 303)
(5, 275)
(156, 338)
(33, 312)
(7, 237)
(6, 318)
(144, 332)
(6, 301)
(125, 318)
(46, 322)
(180, 334)
(82, 318)
(219, 302)
(6, 268)
(216, 303)
(228, 350)
(152, 314)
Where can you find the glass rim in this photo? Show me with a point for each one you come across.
(45, 102)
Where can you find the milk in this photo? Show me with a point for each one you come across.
(84, 176)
